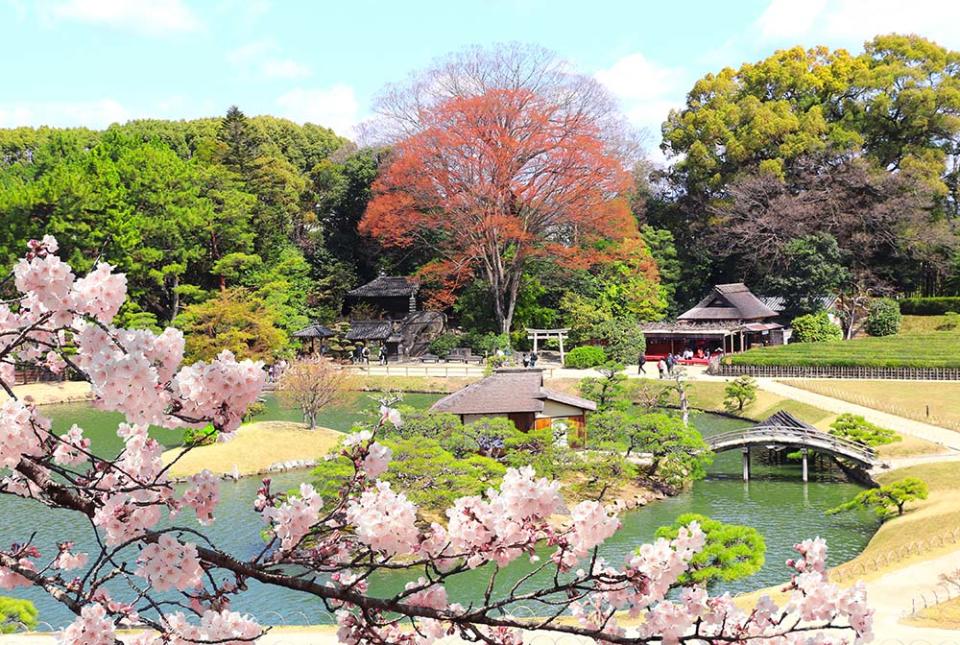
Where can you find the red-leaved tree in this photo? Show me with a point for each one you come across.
(498, 158)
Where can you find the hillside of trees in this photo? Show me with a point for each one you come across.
(808, 172)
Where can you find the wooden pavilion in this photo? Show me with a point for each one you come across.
(729, 319)
(519, 395)
(313, 332)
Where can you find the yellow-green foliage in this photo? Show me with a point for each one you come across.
(233, 320)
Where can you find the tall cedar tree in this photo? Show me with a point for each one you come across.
(240, 140)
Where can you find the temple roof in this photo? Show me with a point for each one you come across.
(314, 330)
(507, 391)
(386, 286)
(728, 302)
(369, 330)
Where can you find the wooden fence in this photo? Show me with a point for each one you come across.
(835, 371)
(26, 375)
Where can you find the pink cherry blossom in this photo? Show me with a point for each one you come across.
(18, 437)
(384, 520)
(203, 495)
(100, 293)
(429, 595)
(377, 460)
(92, 627)
(47, 279)
(69, 450)
(8, 373)
(293, 519)
(168, 563)
(67, 560)
(10, 579)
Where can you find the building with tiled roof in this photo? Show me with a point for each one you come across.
(519, 395)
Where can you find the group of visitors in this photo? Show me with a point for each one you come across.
(275, 371)
(530, 360)
(361, 355)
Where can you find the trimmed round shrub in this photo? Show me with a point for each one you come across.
(884, 317)
(443, 344)
(585, 356)
(815, 328)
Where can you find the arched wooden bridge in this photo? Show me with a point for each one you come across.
(783, 429)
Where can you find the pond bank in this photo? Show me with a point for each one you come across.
(255, 449)
(51, 393)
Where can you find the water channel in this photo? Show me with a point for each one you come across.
(775, 502)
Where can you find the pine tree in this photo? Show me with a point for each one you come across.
(242, 145)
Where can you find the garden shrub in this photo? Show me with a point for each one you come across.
(585, 356)
(486, 344)
(929, 306)
(17, 615)
(884, 317)
(731, 551)
(443, 344)
(430, 476)
(623, 339)
(815, 328)
(204, 436)
(425, 423)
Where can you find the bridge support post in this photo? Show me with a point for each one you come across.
(803, 451)
(746, 463)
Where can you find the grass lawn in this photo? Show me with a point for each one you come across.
(47, 393)
(256, 447)
(928, 528)
(709, 395)
(923, 324)
(896, 397)
(935, 349)
(946, 615)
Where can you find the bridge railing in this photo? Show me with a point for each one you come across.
(799, 435)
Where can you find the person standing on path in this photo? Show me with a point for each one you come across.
(670, 362)
(641, 364)
(662, 368)
(383, 354)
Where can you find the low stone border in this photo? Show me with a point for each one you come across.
(833, 371)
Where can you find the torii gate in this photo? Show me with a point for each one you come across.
(537, 335)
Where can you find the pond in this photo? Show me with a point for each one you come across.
(775, 502)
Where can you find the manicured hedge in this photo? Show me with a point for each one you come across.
(585, 356)
(938, 349)
(929, 306)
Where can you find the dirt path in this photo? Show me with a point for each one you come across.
(892, 596)
(935, 434)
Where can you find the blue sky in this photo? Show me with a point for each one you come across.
(93, 62)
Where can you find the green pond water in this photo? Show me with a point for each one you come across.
(775, 501)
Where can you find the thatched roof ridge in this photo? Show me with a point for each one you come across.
(732, 301)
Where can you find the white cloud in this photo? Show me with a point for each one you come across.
(91, 114)
(260, 57)
(333, 107)
(848, 23)
(784, 19)
(144, 16)
(283, 68)
(647, 90)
